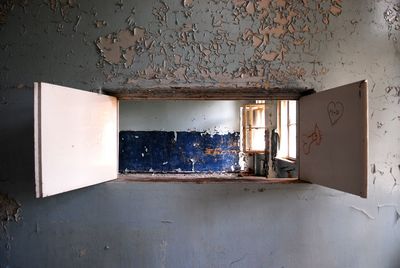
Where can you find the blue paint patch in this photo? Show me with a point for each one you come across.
(158, 151)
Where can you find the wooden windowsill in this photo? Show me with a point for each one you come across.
(288, 160)
(200, 178)
(256, 152)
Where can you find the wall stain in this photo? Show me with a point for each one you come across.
(63, 7)
(7, 6)
(392, 19)
(10, 211)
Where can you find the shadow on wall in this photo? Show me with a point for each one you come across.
(16, 135)
(16, 160)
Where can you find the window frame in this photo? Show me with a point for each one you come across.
(247, 127)
(317, 116)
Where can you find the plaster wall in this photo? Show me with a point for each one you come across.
(175, 136)
(187, 225)
(210, 116)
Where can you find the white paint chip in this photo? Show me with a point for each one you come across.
(187, 3)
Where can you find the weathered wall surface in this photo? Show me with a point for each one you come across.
(175, 136)
(205, 116)
(94, 45)
(178, 151)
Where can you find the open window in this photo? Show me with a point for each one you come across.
(77, 135)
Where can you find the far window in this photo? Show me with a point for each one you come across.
(287, 129)
(253, 124)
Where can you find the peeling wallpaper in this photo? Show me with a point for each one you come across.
(97, 45)
(180, 46)
(225, 43)
(9, 212)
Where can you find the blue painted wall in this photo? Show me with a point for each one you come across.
(169, 151)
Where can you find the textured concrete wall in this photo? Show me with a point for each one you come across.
(89, 45)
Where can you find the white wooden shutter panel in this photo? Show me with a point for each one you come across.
(333, 137)
(76, 138)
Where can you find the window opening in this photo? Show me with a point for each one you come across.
(64, 172)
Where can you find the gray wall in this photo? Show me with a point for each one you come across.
(187, 225)
(210, 116)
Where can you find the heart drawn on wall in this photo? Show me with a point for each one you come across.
(335, 111)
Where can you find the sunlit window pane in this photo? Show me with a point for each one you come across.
(258, 117)
(283, 149)
(292, 112)
(292, 141)
(287, 128)
(258, 141)
(292, 128)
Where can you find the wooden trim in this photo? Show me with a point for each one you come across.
(267, 142)
(209, 93)
(117, 137)
(200, 179)
(38, 140)
(249, 127)
(256, 151)
(287, 128)
(363, 92)
(256, 105)
(298, 138)
(244, 122)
